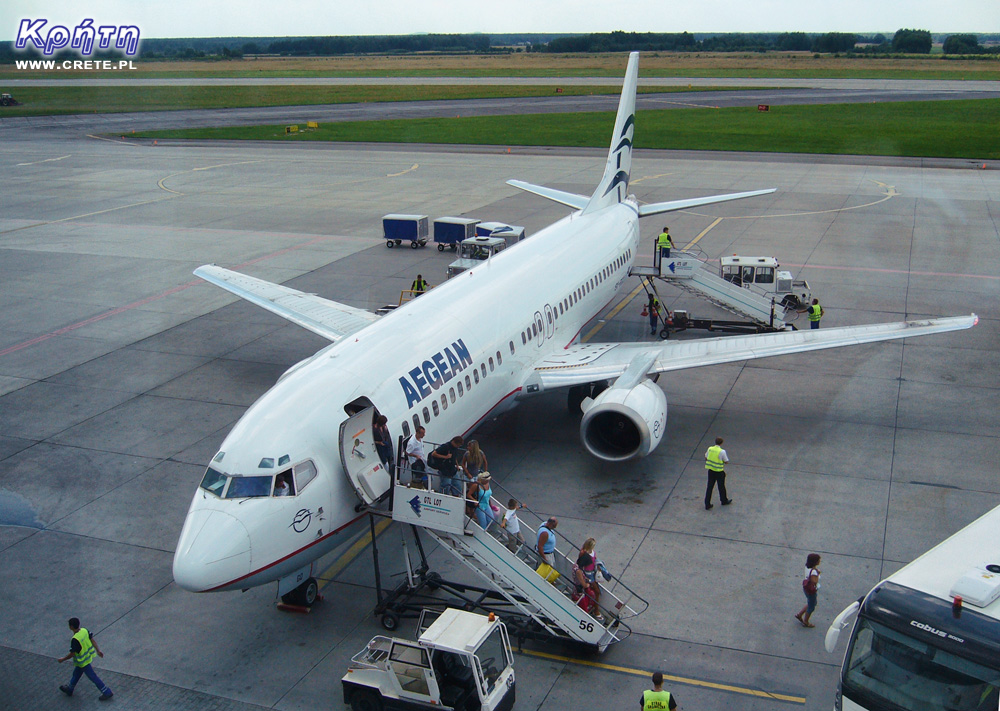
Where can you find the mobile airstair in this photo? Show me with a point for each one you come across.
(688, 270)
(509, 567)
(543, 607)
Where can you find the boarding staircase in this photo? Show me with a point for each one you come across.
(688, 270)
(509, 567)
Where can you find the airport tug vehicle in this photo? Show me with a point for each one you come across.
(474, 251)
(462, 661)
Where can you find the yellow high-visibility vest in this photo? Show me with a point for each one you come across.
(655, 700)
(87, 651)
(664, 241)
(713, 459)
(815, 312)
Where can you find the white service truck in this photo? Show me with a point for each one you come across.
(761, 274)
(474, 250)
(461, 662)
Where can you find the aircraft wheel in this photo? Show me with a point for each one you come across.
(665, 334)
(390, 621)
(388, 243)
(433, 581)
(362, 700)
(304, 595)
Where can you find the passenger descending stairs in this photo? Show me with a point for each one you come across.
(689, 271)
(511, 573)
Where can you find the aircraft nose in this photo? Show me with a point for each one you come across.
(214, 549)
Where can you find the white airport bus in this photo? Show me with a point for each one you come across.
(927, 638)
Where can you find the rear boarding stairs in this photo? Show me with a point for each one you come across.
(688, 270)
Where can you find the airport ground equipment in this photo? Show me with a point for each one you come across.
(8, 100)
(474, 251)
(533, 607)
(511, 233)
(750, 287)
(411, 228)
(460, 661)
(450, 231)
(928, 636)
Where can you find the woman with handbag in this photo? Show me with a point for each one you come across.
(810, 584)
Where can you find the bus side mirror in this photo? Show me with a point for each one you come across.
(839, 623)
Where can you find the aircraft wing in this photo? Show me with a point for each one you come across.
(589, 362)
(329, 319)
(573, 200)
(657, 207)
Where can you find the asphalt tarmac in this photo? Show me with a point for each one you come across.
(120, 373)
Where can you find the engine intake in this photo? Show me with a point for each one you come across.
(624, 423)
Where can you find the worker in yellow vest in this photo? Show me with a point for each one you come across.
(657, 699)
(83, 648)
(815, 313)
(715, 462)
(419, 285)
(664, 243)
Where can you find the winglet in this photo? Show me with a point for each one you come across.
(613, 187)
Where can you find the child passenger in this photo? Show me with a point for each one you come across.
(512, 525)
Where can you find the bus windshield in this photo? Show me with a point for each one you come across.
(888, 670)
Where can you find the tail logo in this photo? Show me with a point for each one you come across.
(624, 144)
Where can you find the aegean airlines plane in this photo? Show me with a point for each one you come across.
(287, 484)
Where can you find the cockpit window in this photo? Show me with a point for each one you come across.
(304, 473)
(214, 482)
(243, 487)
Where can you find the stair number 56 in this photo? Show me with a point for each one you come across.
(586, 626)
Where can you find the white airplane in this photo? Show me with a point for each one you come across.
(469, 349)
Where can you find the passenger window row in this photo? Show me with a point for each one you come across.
(458, 391)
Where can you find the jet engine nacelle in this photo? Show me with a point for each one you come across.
(622, 423)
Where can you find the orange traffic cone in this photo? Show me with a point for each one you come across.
(644, 311)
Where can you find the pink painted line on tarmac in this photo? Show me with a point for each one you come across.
(147, 300)
(895, 271)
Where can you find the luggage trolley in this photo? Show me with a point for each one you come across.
(450, 231)
(396, 228)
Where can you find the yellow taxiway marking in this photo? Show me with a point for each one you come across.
(47, 160)
(111, 140)
(88, 214)
(611, 314)
(160, 182)
(403, 172)
(649, 177)
(670, 677)
(351, 553)
(704, 232)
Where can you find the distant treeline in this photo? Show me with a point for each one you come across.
(904, 41)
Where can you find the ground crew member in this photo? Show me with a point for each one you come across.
(664, 243)
(715, 463)
(83, 648)
(815, 313)
(657, 699)
(419, 286)
(654, 313)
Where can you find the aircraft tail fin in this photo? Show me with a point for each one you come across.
(613, 187)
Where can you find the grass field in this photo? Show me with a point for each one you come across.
(44, 101)
(652, 64)
(946, 129)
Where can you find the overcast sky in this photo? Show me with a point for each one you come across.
(209, 18)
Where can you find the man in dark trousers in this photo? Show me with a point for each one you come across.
(83, 648)
(444, 459)
(715, 462)
(656, 699)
